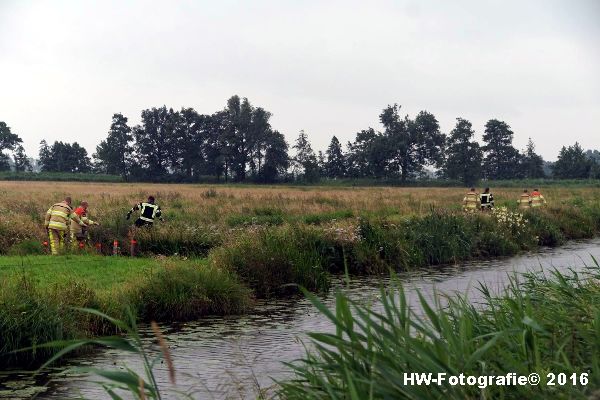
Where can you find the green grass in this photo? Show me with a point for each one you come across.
(99, 272)
(39, 296)
(541, 324)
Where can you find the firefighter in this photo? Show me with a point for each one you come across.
(148, 212)
(486, 199)
(524, 200)
(79, 233)
(56, 221)
(470, 200)
(537, 199)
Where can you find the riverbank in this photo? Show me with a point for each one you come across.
(39, 296)
(252, 347)
(544, 327)
(257, 261)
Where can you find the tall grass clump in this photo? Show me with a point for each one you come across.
(540, 324)
(183, 293)
(30, 317)
(185, 240)
(269, 260)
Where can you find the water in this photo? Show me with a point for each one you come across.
(229, 358)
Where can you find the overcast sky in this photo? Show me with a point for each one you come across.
(328, 67)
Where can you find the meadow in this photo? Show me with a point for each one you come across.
(223, 246)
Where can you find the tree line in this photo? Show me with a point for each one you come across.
(239, 144)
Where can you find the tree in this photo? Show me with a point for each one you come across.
(45, 157)
(64, 157)
(305, 161)
(464, 155)
(114, 155)
(321, 163)
(8, 141)
(247, 133)
(156, 142)
(572, 163)
(335, 164)
(276, 157)
(501, 158)
(414, 143)
(532, 164)
(20, 159)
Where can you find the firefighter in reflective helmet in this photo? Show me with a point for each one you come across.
(486, 199)
(148, 212)
(58, 218)
(537, 199)
(471, 200)
(524, 200)
(79, 233)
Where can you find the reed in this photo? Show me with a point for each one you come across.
(540, 324)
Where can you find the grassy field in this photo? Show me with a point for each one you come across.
(200, 216)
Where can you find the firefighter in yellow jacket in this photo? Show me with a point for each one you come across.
(56, 221)
(537, 199)
(524, 200)
(79, 233)
(471, 200)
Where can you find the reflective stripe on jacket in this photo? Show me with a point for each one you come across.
(77, 228)
(537, 199)
(524, 201)
(148, 212)
(58, 215)
(486, 200)
(470, 201)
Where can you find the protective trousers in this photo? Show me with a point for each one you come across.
(57, 240)
(78, 241)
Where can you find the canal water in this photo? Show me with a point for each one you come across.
(234, 357)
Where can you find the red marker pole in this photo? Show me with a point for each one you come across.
(116, 248)
(132, 247)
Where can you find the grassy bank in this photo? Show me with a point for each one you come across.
(38, 296)
(261, 261)
(268, 257)
(542, 325)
